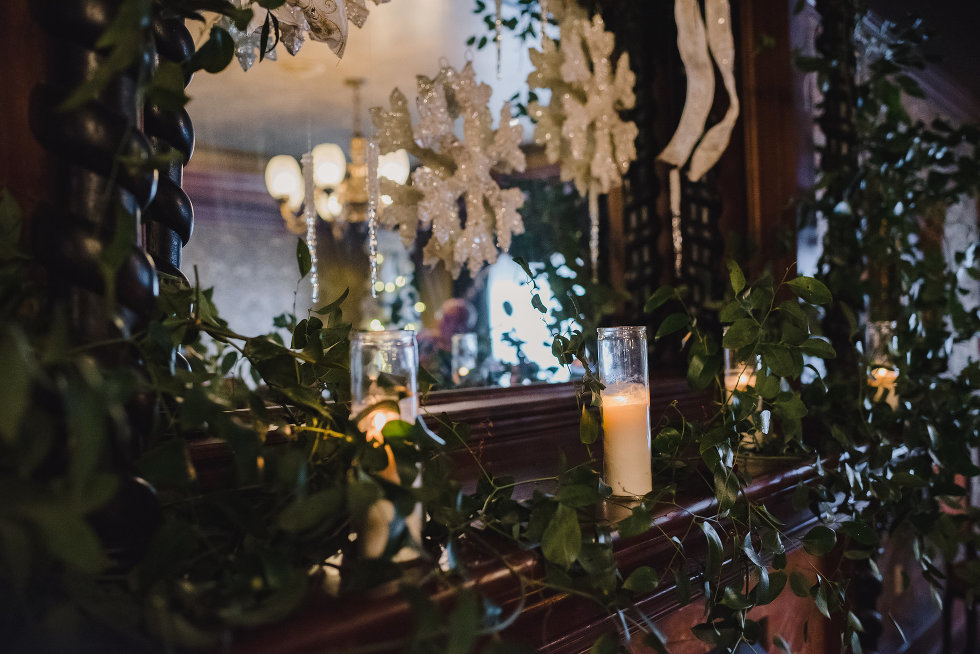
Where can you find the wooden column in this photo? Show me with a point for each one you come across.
(771, 123)
(23, 163)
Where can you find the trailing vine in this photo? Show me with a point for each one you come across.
(236, 552)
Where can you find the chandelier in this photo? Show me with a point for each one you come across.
(340, 194)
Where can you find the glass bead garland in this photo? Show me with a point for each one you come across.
(309, 212)
(373, 193)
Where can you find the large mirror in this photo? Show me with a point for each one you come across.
(476, 329)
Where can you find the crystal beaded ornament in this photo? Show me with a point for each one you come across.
(453, 169)
(581, 128)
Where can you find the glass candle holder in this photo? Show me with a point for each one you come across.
(464, 357)
(625, 410)
(384, 368)
(384, 365)
(739, 375)
(879, 344)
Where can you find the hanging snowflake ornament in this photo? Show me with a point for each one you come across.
(326, 21)
(453, 170)
(581, 127)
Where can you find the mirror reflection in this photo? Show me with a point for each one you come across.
(247, 183)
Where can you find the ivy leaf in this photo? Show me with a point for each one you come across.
(750, 552)
(736, 276)
(667, 440)
(742, 332)
(682, 587)
(726, 489)
(562, 538)
(588, 426)
(15, 392)
(308, 512)
(659, 297)
(397, 429)
(214, 55)
(672, 323)
(799, 584)
(643, 580)
(67, 536)
(767, 386)
(303, 258)
(821, 602)
(789, 406)
(637, 523)
(735, 600)
(860, 531)
(702, 368)
(777, 582)
(780, 361)
(819, 541)
(712, 566)
(538, 304)
(731, 312)
(578, 495)
(818, 347)
(464, 623)
(811, 290)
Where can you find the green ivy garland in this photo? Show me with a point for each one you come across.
(303, 475)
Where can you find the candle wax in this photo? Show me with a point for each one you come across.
(626, 439)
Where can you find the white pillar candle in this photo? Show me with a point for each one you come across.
(626, 439)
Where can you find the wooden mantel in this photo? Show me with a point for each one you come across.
(519, 432)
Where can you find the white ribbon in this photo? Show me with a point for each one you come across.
(693, 46)
(722, 43)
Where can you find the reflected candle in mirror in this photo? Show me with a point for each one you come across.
(739, 379)
(372, 425)
(626, 439)
(384, 366)
(884, 380)
(625, 410)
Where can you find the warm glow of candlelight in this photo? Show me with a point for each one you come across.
(372, 425)
(626, 439)
(884, 380)
(739, 379)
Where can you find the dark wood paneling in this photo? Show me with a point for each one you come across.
(23, 63)
(770, 128)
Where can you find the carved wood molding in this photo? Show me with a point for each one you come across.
(519, 431)
(552, 622)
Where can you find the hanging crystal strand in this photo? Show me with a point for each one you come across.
(498, 26)
(543, 8)
(373, 193)
(309, 210)
(677, 236)
(594, 230)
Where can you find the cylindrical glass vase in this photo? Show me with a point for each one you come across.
(879, 344)
(625, 410)
(384, 366)
(464, 357)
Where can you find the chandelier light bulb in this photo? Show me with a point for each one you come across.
(284, 180)
(329, 165)
(328, 205)
(395, 166)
